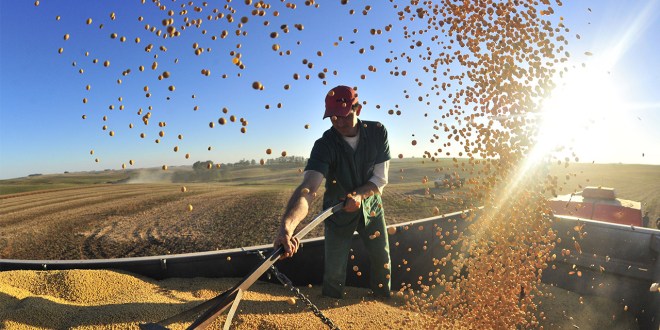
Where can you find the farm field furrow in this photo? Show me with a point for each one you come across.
(169, 228)
(55, 200)
(102, 200)
(61, 233)
(94, 188)
(6, 198)
(133, 223)
(32, 198)
(130, 220)
(142, 220)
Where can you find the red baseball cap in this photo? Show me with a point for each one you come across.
(339, 101)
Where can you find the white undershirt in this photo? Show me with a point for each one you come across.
(379, 177)
(352, 140)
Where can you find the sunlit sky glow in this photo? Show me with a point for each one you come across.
(584, 114)
(607, 110)
(588, 113)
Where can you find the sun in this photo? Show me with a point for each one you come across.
(580, 120)
(581, 116)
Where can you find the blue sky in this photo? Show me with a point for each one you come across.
(41, 91)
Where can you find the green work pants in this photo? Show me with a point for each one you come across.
(338, 238)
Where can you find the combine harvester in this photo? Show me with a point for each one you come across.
(618, 259)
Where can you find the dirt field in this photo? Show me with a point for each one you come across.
(111, 221)
(127, 220)
(101, 220)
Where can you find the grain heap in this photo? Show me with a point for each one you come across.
(92, 299)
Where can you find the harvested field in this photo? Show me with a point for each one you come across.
(112, 221)
(142, 219)
(129, 220)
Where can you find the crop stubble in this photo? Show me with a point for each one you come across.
(130, 220)
(127, 220)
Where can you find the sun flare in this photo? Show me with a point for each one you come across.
(581, 115)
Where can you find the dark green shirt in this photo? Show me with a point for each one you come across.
(345, 170)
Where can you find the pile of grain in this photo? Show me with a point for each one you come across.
(84, 299)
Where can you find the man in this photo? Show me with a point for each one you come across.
(353, 157)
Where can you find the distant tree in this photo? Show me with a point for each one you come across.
(200, 166)
(288, 161)
(242, 162)
(204, 171)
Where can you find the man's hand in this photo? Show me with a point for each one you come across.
(353, 202)
(286, 240)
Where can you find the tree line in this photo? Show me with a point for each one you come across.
(209, 171)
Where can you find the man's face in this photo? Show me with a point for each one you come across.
(346, 126)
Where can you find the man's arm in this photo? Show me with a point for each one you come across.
(296, 211)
